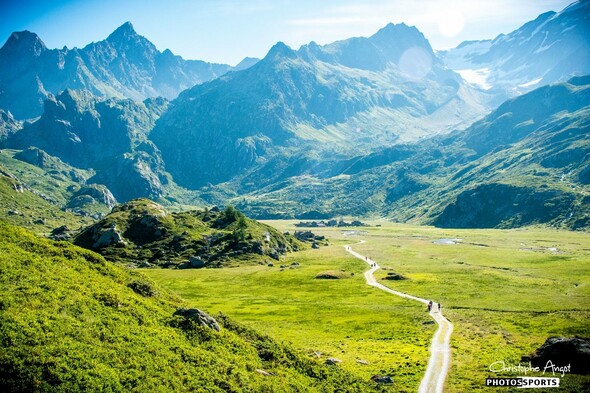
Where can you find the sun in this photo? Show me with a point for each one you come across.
(450, 22)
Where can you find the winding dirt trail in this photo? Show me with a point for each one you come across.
(440, 352)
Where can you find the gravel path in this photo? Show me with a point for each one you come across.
(440, 352)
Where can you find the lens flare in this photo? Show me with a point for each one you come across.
(415, 62)
(450, 23)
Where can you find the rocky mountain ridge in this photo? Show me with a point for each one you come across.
(354, 94)
(552, 48)
(124, 65)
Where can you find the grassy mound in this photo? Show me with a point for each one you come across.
(69, 321)
(143, 231)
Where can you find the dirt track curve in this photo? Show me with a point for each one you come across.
(440, 352)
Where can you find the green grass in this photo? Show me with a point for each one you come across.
(506, 291)
(71, 322)
(341, 318)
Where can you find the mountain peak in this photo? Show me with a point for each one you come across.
(395, 29)
(24, 41)
(280, 49)
(395, 39)
(398, 31)
(577, 6)
(124, 31)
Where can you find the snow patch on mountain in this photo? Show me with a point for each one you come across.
(478, 77)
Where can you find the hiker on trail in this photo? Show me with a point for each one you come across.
(439, 307)
(429, 306)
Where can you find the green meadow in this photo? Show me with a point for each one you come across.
(506, 292)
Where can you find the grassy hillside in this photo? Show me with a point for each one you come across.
(71, 322)
(143, 231)
(20, 206)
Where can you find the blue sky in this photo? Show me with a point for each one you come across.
(225, 31)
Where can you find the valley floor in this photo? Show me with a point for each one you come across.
(505, 291)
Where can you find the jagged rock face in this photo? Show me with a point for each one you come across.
(8, 124)
(84, 131)
(93, 193)
(109, 136)
(133, 176)
(124, 65)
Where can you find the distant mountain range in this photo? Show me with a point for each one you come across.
(378, 125)
(552, 48)
(125, 65)
(527, 162)
(354, 94)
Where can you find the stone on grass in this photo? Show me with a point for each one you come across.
(333, 361)
(199, 316)
(383, 379)
(573, 354)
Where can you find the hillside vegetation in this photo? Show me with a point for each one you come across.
(143, 232)
(25, 207)
(71, 322)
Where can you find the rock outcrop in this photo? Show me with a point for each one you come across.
(570, 353)
(108, 237)
(142, 231)
(61, 233)
(199, 317)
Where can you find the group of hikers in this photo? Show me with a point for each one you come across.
(373, 264)
(430, 305)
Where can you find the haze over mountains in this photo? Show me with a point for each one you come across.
(549, 49)
(124, 65)
(379, 125)
(354, 94)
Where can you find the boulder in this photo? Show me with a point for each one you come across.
(198, 316)
(196, 262)
(61, 233)
(109, 237)
(394, 276)
(382, 379)
(331, 275)
(563, 352)
(333, 361)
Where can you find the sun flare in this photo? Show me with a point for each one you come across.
(450, 22)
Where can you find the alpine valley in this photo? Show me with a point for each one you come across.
(378, 126)
(117, 156)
